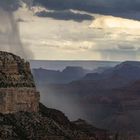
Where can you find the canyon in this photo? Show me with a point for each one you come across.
(23, 117)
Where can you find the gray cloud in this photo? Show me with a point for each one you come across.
(65, 15)
(9, 4)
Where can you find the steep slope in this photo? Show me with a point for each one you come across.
(49, 124)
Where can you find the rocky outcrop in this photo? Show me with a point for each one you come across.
(17, 88)
(14, 71)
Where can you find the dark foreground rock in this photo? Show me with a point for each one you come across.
(51, 124)
(48, 124)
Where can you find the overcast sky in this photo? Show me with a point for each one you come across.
(81, 29)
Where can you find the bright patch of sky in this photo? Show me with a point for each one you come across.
(101, 38)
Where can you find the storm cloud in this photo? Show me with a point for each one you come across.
(111, 7)
(65, 15)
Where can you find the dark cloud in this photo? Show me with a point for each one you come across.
(9, 4)
(65, 15)
(91, 5)
(113, 7)
(12, 5)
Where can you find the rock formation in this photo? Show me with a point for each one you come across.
(17, 88)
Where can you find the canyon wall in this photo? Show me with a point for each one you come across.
(17, 87)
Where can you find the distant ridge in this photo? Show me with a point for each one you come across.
(61, 64)
(69, 74)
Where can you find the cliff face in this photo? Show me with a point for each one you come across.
(17, 88)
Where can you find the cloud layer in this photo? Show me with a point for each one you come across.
(110, 38)
(111, 7)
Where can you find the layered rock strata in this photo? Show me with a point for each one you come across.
(17, 88)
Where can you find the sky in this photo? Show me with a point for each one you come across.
(80, 29)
